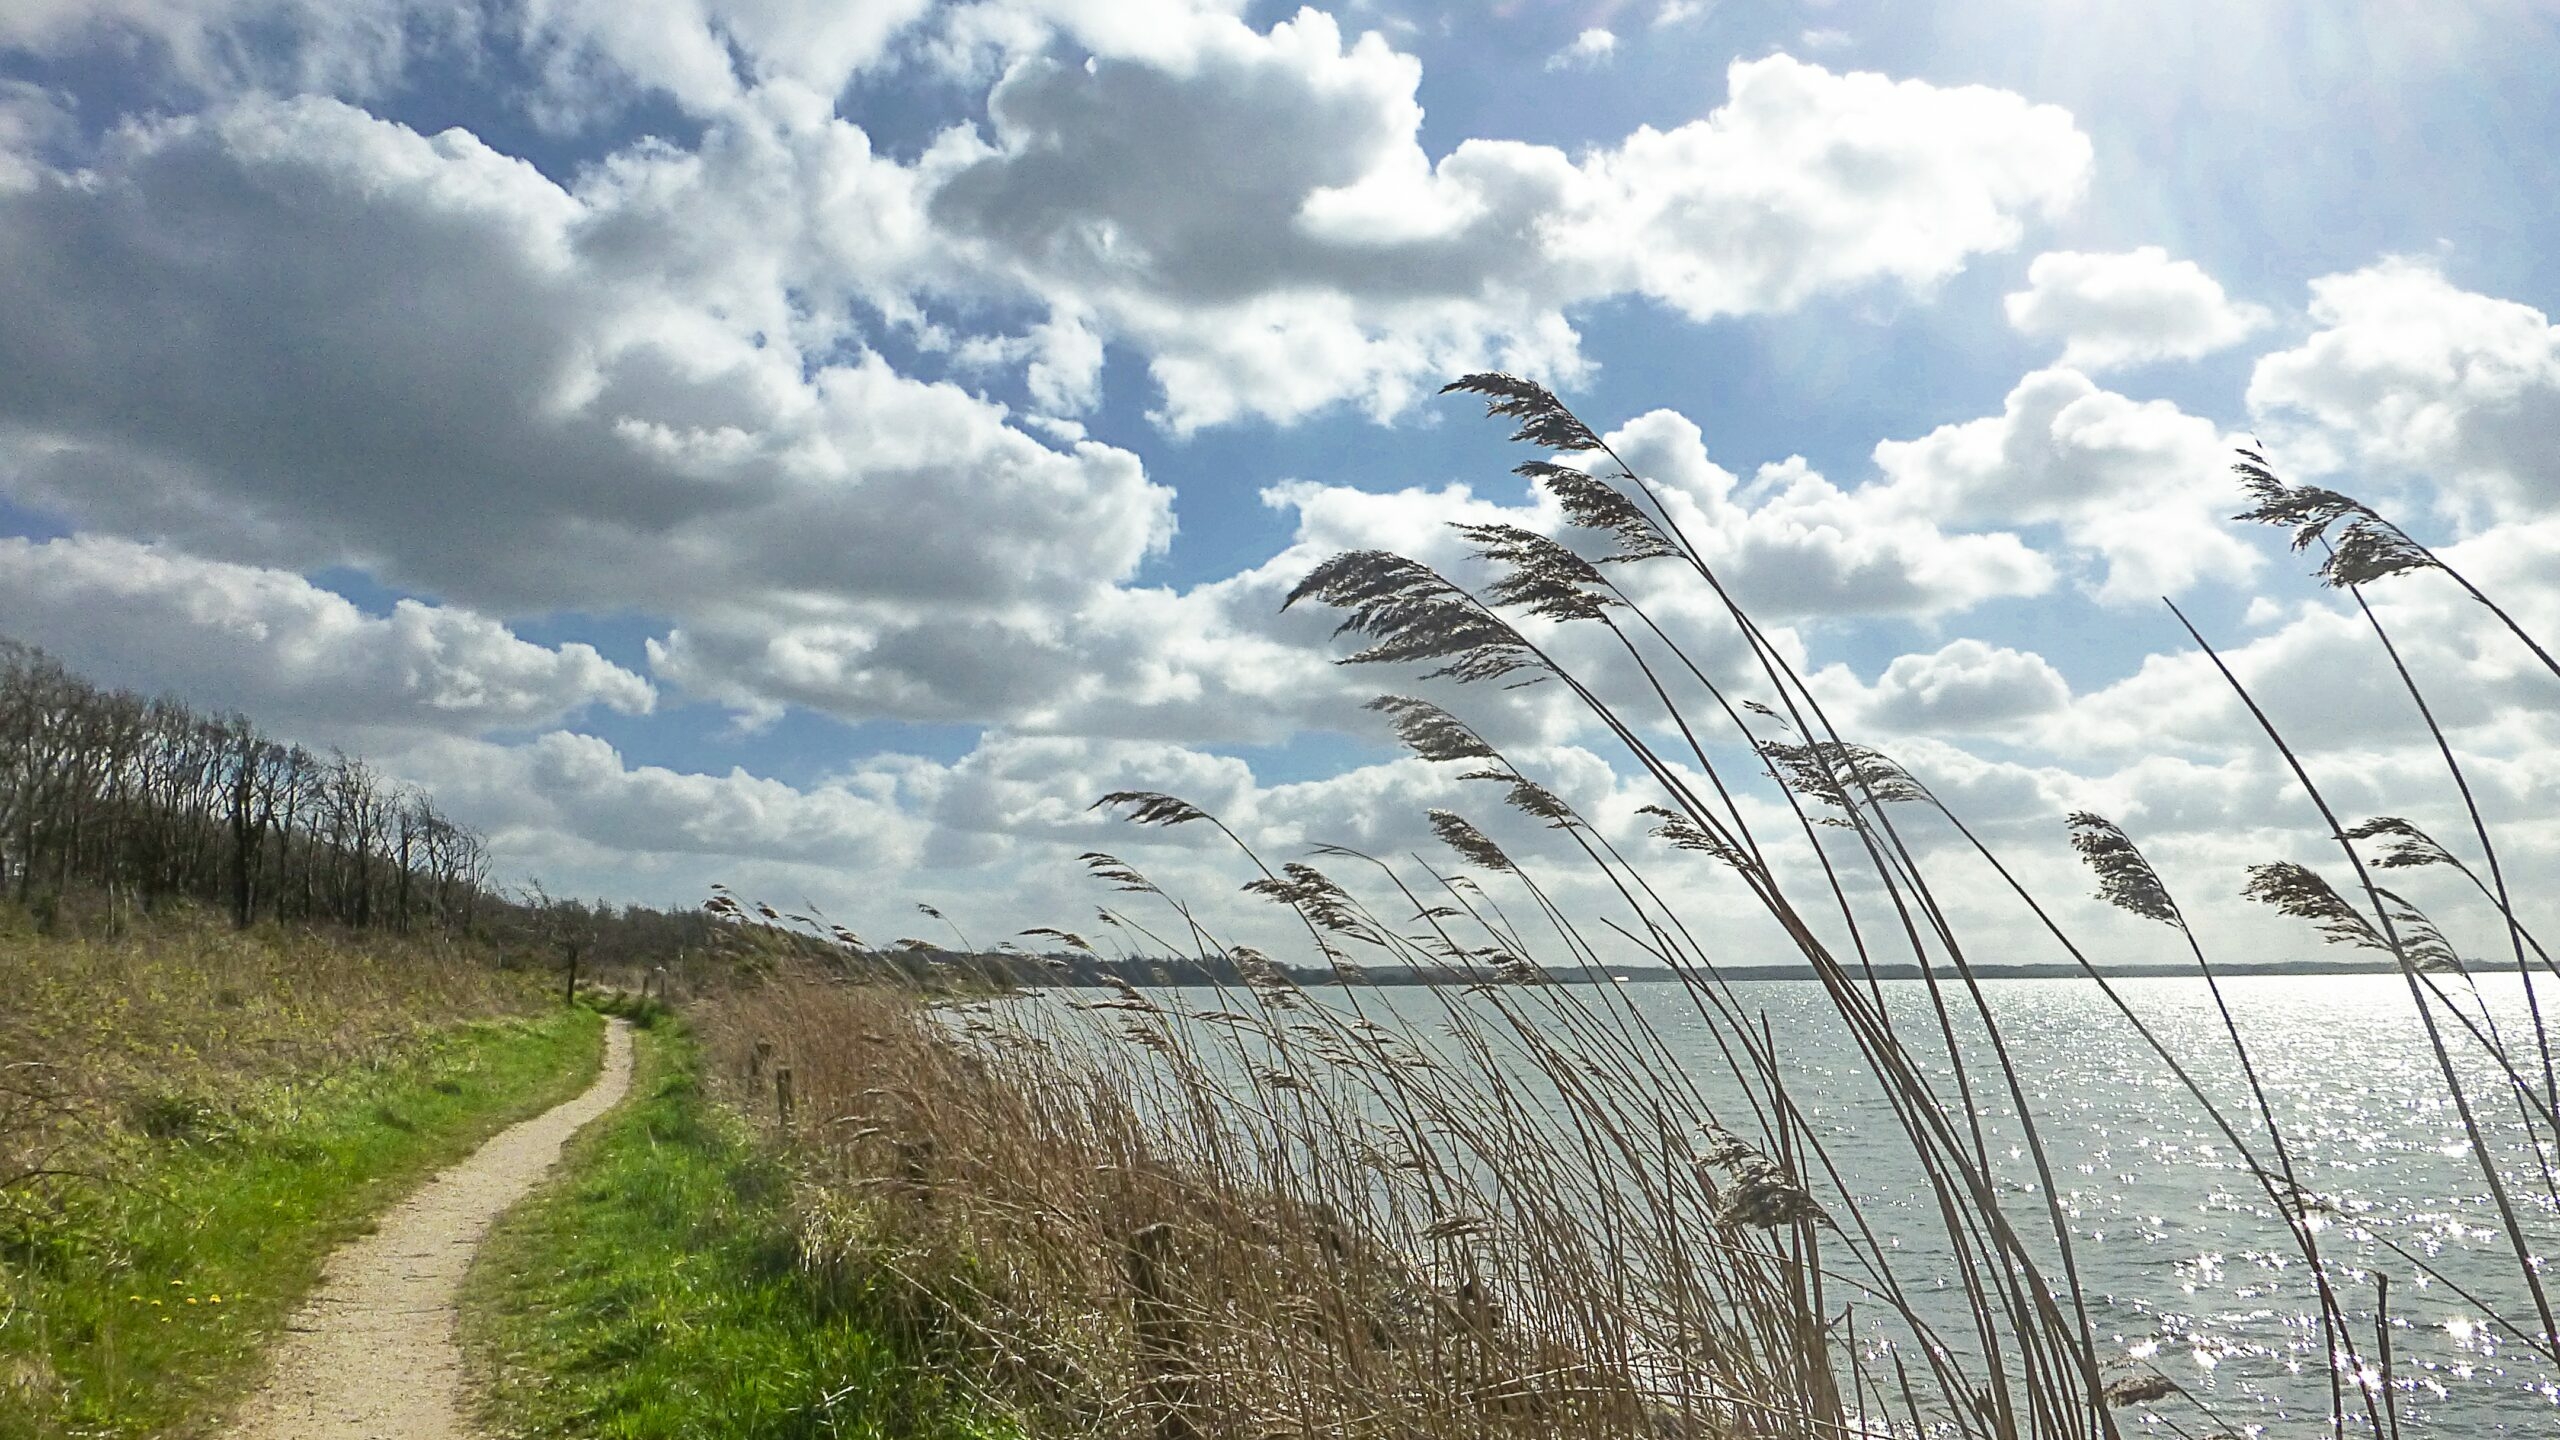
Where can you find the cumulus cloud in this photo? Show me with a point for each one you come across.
(2410, 375)
(33, 121)
(1791, 545)
(592, 58)
(564, 797)
(1806, 181)
(1589, 50)
(2330, 686)
(291, 654)
(704, 54)
(2140, 486)
(993, 834)
(571, 397)
(2130, 308)
(645, 389)
(279, 335)
(1250, 208)
(344, 46)
(1967, 685)
(417, 357)
(1262, 221)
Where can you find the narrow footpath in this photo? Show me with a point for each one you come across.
(372, 1355)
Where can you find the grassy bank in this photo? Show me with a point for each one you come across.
(196, 1117)
(656, 1289)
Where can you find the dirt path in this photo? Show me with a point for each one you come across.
(372, 1356)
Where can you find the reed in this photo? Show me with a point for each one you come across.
(1297, 1210)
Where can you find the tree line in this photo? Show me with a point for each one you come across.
(150, 799)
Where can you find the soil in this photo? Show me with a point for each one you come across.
(372, 1354)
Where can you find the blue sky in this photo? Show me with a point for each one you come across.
(820, 446)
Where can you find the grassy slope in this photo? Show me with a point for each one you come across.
(222, 1107)
(654, 1290)
(143, 1305)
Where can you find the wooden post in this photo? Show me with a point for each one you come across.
(1164, 1343)
(782, 1094)
(915, 1167)
(2382, 1332)
(757, 1057)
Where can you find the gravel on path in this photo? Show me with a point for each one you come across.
(372, 1354)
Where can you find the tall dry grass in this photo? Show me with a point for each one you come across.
(1208, 1244)
(115, 1024)
(1529, 1213)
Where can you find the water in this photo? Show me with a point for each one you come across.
(2184, 1263)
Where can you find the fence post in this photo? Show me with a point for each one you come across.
(1164, 1343)
(782, 1093)
(757, 1057)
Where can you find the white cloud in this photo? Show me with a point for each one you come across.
(991, 836)
(615, 396)
(1808, 548)
(288, 652)
(2330, 686)
(704, 54)
(291, 335)
(565, 798)
(417, 357)
(2130, 308)
(1589, 50)
(593, 56)
(2140, 486)
(979, 38)
(1806, 181)
(1967, 685)
(2410, 374)
(1252, 210)
(33, 120)
(1789, 544)
(343, 46)
(1262, 222)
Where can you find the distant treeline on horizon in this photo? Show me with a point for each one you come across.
(1080, 971)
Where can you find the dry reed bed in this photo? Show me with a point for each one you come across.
(1137, 1235)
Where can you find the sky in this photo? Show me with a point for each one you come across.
(820, 446)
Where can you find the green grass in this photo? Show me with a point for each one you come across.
(654, 1290)
(139, 1303)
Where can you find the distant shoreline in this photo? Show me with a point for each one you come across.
(1385, 978)
(2163, 971)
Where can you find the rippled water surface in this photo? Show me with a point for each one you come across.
(2182, 1259)
(2183, 1262)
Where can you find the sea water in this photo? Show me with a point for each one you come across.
(2183, 1263)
